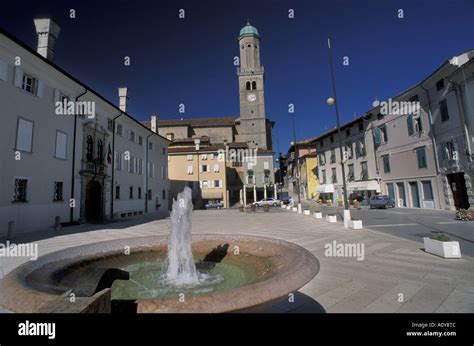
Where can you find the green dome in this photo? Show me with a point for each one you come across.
(248, 30)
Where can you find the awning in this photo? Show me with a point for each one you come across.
(211, 194)
(325, 188)
(370, 185)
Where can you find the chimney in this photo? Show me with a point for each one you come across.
(47, 31)
(123, 99)
(154, 123)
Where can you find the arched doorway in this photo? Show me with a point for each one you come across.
(93, 201)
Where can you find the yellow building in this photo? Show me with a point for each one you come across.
(201, 167)
(309, 180)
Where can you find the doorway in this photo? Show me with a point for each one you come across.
(93, 201)
(415, 195)
(457, 184)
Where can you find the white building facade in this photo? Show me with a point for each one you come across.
(56, 165)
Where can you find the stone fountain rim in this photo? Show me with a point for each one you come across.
(279, 285)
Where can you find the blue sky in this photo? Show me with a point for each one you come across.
(190, 60)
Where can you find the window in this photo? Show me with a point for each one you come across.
(131, 164)
(350, 174)
(364, 174)
(348, 132)
(58, 191)
(440, 85)
(418, 124)
(247, 86)
(163, 194)
(29, 84)
(254, 85)
(24, 135)
(61, 143)
(427, 190)
(448, 150)
(189, 157)
(322, 159)
(117, 192)
(163, 150)
(266, 176)
(333, 155)
(204, 184)
(333, 176)
(162, 172)
(204, 168)
(119, 130)
(89, 149)
(131, 136)
(131, 192)
(361, 127)
(386, 163)
(149, 195)
(118, 161)
(443, 109)
(150, 146)
(140, 140)
(140, 166)
(349, 150)
(216, 168)
(421, 156)
(21, 186)
(331, 139)
(360, 148)
(391, 191)
(139, 193)
(100, 151)
(217, 183)
(110, 124)
(190, 169)
(324, 176)
(204, 157)
(250, 177)
(151, 169)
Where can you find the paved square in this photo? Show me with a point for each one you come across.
(395, 275)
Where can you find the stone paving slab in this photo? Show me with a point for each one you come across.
(391, 265)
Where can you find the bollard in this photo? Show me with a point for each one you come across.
(11, 229)
(57, 223)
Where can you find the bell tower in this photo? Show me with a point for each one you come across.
(253, 124)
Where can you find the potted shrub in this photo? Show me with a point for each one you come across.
(320, 201)
(339, 202)
(355, 203)
(328, 202)
(463, 215)
(439, 244)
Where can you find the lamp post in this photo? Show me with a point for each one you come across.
(297, 164)
(333, 101)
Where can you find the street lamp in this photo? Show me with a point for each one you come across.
(332, 101)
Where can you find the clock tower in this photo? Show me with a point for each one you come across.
(254, 127)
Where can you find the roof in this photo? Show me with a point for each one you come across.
(248, 30)
(214, 147)
(196, 122)
(68, 75)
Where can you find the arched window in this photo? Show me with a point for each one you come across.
(90, 149)
(247, 86)
(100, 151)
(254, 85)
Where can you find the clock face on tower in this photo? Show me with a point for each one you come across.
(251, 97)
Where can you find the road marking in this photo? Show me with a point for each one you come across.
(393, 225)
(446, 222)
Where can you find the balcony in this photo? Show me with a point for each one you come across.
(93, 168)
(250, 71)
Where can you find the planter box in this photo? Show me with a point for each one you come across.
(318, 215)
(355, 224)
(331, 218)
(295, 209)
(283, 206)
(446, 249)
(288, 207)
(307, 212)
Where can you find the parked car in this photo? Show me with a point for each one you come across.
(284, 198)
(381, 201)
(268, 201)
(214, 205)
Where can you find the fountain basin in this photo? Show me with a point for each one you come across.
(270, 268)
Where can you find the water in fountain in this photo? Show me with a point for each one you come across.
(181, 267)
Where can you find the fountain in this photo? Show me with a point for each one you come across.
(178, 273)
